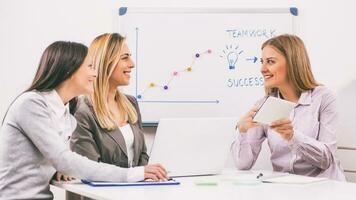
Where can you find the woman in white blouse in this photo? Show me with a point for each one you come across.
(109, 122)
(37, 126)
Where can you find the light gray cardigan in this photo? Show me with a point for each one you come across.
(31, 150)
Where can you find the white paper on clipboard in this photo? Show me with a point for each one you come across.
(273, 109)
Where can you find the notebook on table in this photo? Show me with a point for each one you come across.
(141, 183)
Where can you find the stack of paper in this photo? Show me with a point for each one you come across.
(292, 179)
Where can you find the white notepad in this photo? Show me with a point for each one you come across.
(273, 109)
(293, 179)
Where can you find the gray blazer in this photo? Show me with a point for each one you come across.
(100, 145)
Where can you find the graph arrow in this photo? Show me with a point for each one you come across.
(177, 101)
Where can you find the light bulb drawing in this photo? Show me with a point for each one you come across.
(232, 56)
(232, 59)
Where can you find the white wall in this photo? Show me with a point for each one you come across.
(27, 27)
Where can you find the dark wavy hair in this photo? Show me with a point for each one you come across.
(58, 62)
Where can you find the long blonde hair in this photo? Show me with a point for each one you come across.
(106, 49)
(299, 71)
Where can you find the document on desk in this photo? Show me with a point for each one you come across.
(141, 183)
(273, 109)
(292, 179)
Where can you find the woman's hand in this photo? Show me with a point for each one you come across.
(246, 121)
(156, 172)
(284, 127)
(61, 177)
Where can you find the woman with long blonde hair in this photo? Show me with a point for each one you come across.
(304, 143)
(109, 122)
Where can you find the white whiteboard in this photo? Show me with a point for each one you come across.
(199, 62)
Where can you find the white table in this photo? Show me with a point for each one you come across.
(230, 185)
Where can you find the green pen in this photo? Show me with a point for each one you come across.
(206, 183)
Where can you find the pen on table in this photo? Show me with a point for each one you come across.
(259, 175)
(206, 183)
(169, 178)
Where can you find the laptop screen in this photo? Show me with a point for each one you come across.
(193, 146)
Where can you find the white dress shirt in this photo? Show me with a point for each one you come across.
(129, 141)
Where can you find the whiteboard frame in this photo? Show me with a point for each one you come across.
(124, 10)
(211, 10)
(294, 11)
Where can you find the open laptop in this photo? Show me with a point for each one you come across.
(193, 146)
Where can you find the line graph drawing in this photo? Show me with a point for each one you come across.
(141, 94)
(173, 75)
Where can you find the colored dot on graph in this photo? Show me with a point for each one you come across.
(209, 50)
(189, 69)
(139, 96)
(175, 73)
(152, 84)
(165, 87)
(197, 55)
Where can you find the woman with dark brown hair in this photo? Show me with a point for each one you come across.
(36, 129)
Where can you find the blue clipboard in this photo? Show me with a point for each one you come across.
(141, 183)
